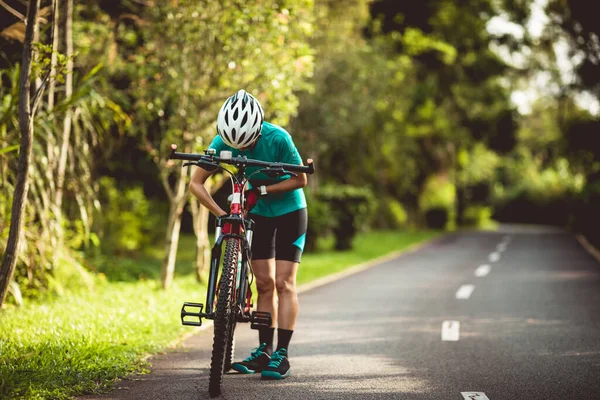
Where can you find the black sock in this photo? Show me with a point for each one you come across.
(265, 335)
(283, 338)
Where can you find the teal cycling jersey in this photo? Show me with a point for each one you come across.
(274, 145)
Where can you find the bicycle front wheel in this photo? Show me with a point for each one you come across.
(224, 317)
(230, 349)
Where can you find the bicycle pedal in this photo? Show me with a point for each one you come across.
(185, 313)
(260, 319)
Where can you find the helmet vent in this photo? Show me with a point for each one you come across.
(241, 138)
(233, 135)
(227, 117)
(235, 114)
(228, 141)
(245, 119)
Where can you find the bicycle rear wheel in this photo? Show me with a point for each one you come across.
(224, 315)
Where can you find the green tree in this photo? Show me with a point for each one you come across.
(458, 98)
(62, 161)
(27, 109)
(575, 21)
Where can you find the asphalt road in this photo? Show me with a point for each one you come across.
(525, 326)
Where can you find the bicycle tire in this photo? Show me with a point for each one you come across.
(222, 319)
(230, 351)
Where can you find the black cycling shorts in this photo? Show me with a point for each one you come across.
(280, 237)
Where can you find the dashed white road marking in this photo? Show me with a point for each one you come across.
(494, 257)
(450, 331)
(501, 247)
(506, 239)
(483, 270)
(464, 292)
(474, 396)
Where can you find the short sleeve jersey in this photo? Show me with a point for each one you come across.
(274, 145)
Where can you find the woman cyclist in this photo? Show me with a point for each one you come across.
(280, 231)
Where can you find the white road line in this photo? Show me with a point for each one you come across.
(482, 270)
(501, 247)
(506, 239)
(464, 292)
(474, 396)
(450, 331)
(494, 257)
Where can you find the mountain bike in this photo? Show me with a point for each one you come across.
(228, 296)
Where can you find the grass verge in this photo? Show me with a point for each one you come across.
(82, 343)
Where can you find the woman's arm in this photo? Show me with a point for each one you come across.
(295, 182)
(197, 188)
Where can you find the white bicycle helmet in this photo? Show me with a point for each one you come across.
(240, 120)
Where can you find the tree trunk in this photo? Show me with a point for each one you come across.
(200, 215)
(52, 84)
(177, 202)
(200, 218)
(54, 57)
(177, 199)
(26, 127)
(62, 165)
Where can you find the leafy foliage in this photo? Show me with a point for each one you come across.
(320, 220)
(391, 214)
(127, 218)
(352, 208)
(41, 255)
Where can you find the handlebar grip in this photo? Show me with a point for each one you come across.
(174, 154)
(311, 168)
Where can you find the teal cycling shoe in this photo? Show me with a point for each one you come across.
(257, 361)
(279, 367)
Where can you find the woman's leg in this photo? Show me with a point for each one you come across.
(285, 282)
(263, 265)
(290, 236)
(264, 272)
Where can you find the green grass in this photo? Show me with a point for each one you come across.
(81, 343)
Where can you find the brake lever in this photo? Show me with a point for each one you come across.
(275, 172)
(205, 165)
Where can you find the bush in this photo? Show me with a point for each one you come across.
(352, 209)
(438, 194)
(390, 214)
(128, 220)
(320, 220)
(478, 215)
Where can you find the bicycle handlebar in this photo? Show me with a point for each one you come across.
(239, 161)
